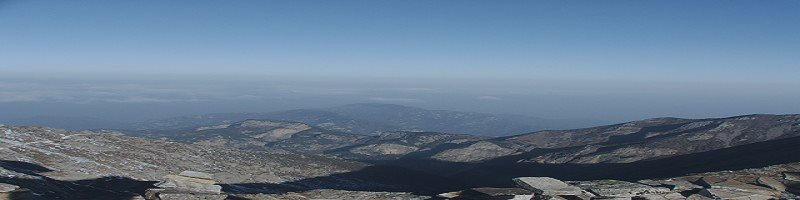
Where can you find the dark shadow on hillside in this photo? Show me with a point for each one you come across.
(372, 178)
(105, 188)
(429, 177)
(23, 167)
(416, 175)
(499, 172)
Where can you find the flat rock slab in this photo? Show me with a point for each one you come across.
(547, 186)
(184, 196)
(331, 194)
(490, 193)
(200, 175)
(698, 197)
(612, 198)
(771, 183)
(499, 191)
(734, 185)
(180, 183)
(175, 194)
(708, 181)
(615, 188)
(668, 196)
(724, 193)
(547, 197)
(189, 179)
(674, 185)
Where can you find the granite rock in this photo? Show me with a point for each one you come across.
(771, 183)
(547, 186)
(615, 188)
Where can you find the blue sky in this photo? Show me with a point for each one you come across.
(670, 57)
(540, 39)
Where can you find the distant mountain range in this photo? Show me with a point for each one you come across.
(375, 118)
(633, 141)
(270, 156)
(283, 136)
(261, 135)
(630, 142)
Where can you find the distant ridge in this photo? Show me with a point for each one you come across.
(373, 118)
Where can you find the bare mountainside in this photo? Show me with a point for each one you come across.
(629, 146)
(58, 164)
(620, 143)
(398, 144)
(376, 118)
(269, 135)
(55, 163)
(262, 135)
(631, 141)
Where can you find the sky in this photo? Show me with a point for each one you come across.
(605, 60)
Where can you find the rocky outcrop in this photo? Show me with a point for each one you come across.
(728, 193)
(550, 188)
(756, 183)
(489, 193)
(752, 184)
(771, 183)
(673, 185)
(529, 188)
(546, 186)
(331, 194)
(190, 181)
(662, 196)
(724, 188)
(620, 189)
(186, 185)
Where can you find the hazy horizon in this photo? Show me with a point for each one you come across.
(613, 62)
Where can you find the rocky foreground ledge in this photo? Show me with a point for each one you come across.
(691, 187)
(186, 185)
(191, 185)
(198, 185)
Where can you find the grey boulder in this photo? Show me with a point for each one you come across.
(726, 193)
(194, 174)
(771, 183)
(615, 188)
(673, 185)
(547, 186)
